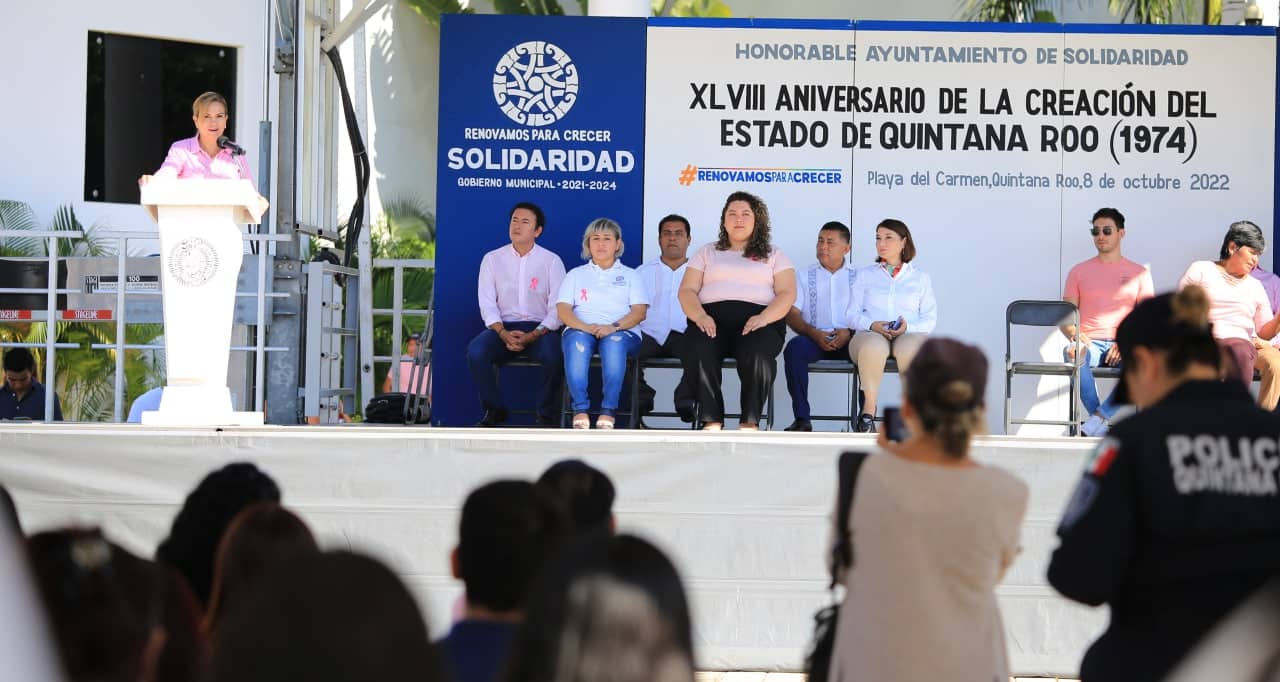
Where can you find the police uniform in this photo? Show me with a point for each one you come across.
(1175, 522)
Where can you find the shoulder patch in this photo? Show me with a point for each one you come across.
(1103, 457)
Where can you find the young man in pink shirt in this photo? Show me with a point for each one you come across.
(1105, 288)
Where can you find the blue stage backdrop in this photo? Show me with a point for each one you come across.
(541, 109)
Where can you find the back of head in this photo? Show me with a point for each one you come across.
(1175, 324)
(262, 536)
(585, 491)
(204, 517)
(606, 598)
(508, 530)
(946, 384)
(332, 617)
(115, 616)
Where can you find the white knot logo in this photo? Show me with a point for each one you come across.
(535, 83)
(193, 262)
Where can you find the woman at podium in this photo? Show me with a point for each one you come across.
(209, 154)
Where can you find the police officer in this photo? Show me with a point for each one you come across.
(1177, 517)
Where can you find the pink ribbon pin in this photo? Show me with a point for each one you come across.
(533, 283)
(583, 295)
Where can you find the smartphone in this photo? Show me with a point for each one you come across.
(894, 428)
(893, 326)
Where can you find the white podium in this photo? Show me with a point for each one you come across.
(200, 250)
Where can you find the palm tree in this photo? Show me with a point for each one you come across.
(1137, 11)
(84, 378)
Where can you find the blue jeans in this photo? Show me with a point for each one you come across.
(486, 352)
(1094, 351)
(800, 351)
(578, 347)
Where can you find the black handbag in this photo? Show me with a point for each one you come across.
(818, 658)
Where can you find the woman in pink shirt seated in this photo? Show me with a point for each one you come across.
(1239, 309)
(736, 292)
(200, 156)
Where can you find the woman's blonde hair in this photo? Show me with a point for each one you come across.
(203, 101)
(601, 226)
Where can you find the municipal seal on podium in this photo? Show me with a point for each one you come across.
(193, 262)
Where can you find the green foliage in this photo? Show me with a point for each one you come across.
(432, 9)
(691, 8)
(85, 378)
(1006, 10)
(1152, 11)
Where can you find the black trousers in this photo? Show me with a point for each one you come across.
(756, 354)
(674, 347)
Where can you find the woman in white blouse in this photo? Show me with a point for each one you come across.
(891, 310)
(601, 304)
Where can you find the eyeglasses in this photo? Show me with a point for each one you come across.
(1104, 230)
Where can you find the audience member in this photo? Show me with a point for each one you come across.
(508, 531)
(403, 370)
(664, 324)
(1176, 520)
(818, 317)
(608, 609)
(115, 617)
(26, 649)
(893, 300)
(736, 292)
(517, 287)
(600, 303)
(22, 396)
(331, 617)
(259, 538)
(9, 511)
(147, 402)
(1104, 289)
(585, 492)
(206, 513)
(932, 533)
(1243, 321)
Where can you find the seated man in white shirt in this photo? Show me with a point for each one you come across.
(663, 327)
(517, 288)
(818, 317)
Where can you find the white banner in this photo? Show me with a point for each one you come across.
(995, 148)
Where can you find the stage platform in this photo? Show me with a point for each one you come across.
(744, 515)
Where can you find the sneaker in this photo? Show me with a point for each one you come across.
(1095, 426)
(865, 424)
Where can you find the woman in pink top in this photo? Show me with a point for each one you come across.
(1239, 308)
(736, 292)
(200, 156)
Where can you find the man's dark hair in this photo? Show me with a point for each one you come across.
(19, 360)
(676, 217)
(1242, 232)
(204, 517)
(837, 226)
(507, 532)
(585, 491)
(539, 218)
(1115, 215)
(332, 617)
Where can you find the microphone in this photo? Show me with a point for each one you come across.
(225, 142)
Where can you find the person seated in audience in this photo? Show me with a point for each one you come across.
(1104, 289)
(258, 539)
(611, 608)
(517, 287)
(329, 617)
(115, 617)
(206, 513)
(404, 369)
(508, 531)
(818, 317)
(22, 396)
(147, 402)
(893, 301)
(585, 492)
(664, 323)
(735, 293)
(932, 533)
(601, 304)
(1243, 321)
